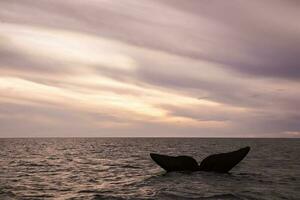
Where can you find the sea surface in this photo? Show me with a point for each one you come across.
(121, 168)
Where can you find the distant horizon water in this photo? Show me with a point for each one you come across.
(121, 169)
(66, 137)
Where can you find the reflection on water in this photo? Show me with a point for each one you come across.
(111, 168)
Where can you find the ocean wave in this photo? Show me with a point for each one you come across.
(122, 169)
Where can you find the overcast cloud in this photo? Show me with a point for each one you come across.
(149, 68)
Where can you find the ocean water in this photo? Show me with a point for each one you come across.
(121, 168)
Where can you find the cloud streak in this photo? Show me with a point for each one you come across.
(149, 68)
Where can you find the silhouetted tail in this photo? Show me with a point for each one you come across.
(223, 162)
(175, 163)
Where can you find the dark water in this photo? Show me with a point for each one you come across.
(109, 168)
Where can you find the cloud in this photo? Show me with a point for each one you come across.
(261, 44)
(253, 45)
(197, 68)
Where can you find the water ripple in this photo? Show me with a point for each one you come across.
(122, 169)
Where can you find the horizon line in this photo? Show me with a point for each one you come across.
(145, 137)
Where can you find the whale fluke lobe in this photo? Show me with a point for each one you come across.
(178, 163)
(222, 162)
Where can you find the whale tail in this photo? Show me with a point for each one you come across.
(175, 163)
(222, 162)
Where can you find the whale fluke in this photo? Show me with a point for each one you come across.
(222, 162)
(178, 163)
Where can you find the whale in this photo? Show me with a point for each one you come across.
(221, 163)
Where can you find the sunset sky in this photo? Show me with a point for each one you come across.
(201, 68)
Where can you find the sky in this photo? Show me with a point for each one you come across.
(149, 68)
